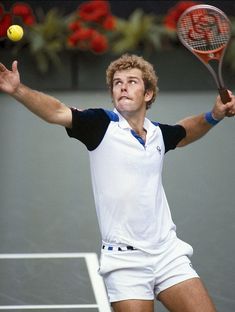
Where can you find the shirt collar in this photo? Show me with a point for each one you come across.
(123, 123)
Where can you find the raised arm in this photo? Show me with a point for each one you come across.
(198, 126)
(44, 106)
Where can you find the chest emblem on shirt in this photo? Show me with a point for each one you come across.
(159, 150)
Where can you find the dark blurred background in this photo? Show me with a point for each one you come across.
(121, 8)
(76, 69)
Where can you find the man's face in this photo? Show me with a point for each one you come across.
(128, 91)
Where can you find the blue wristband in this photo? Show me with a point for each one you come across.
(210, 119)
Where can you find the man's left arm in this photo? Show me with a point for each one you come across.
(197, 126)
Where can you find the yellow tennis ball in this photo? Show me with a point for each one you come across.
(15, 32)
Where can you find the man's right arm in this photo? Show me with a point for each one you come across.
(44, 106)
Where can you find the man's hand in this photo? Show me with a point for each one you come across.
(9, 79)
(221, 110)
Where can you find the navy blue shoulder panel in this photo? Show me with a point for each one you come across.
(172, 135)
(112, 115)
(89, 126)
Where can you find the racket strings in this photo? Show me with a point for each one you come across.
(204, 30)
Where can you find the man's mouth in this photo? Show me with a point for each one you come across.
(124, 97)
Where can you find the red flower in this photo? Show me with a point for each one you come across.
(1, 9)
(94, 11)
(91, 15)
(174, 13)
(109, 23)
(84, 34)
(21, 9)
(29, 20)
(5, 23)
(71, 41)
(24, 11)
(74, 26)
(99, 43)
(81, 37)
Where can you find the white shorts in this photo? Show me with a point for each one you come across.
(134, 274)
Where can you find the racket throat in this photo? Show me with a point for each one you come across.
(215, 68)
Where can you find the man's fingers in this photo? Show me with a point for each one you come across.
(2, 67)
(230, 108)
(14, 66)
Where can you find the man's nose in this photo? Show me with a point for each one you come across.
(124, 86)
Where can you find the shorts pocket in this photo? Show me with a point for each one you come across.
(116, 260)
(185, 248)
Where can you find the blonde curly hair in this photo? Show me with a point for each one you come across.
(128, 61)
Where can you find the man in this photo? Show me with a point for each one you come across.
(141, 255)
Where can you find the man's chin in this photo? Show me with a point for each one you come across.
(123, 106)
(123, 109)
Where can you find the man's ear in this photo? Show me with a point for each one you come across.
(148, 95)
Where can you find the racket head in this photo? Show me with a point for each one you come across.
(204, 30)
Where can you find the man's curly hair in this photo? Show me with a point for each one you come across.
(127, 61)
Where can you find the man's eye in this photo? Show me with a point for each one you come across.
(132, 82)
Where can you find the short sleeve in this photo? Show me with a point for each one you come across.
(172, 135)
(88, 126)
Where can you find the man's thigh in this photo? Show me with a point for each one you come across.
(187, 296)
(133, 306)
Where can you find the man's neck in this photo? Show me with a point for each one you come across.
(136, 122)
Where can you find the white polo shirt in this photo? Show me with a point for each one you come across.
(126, 176)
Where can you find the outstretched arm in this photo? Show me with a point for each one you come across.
(44, 106)
(198, 126)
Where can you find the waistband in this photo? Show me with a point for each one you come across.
(118, 248)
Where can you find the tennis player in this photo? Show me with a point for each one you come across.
(141, 256)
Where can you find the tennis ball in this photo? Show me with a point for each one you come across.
(15, 32)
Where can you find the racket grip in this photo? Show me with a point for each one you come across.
(224, 95)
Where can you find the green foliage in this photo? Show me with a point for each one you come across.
(47, 39)
(140, 31)
(230, 53)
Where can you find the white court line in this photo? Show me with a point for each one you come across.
(96, 281)
(49, 306)
(47, 255)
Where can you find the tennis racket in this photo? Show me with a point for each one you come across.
(205, 31)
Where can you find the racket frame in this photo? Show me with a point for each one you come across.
(206, 56)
